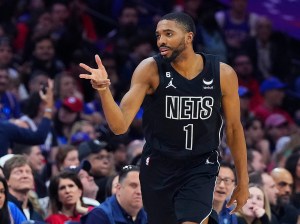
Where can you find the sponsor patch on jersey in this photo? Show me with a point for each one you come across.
(208, 84)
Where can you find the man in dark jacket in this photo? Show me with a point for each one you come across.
(126, 207)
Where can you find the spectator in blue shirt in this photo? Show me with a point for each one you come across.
(9, 106)
(10, 132)
(9, 212)
(126, 207)
(224, 186)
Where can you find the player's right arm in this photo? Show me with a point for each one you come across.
(143, 81)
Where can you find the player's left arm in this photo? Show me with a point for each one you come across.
(234, 134)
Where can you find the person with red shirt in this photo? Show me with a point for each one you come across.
(65, 192)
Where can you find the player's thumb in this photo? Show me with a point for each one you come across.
(230, 202)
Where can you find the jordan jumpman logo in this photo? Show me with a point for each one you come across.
(171, 84)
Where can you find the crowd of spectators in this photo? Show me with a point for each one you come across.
(59, 159)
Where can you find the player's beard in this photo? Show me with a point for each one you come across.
(176, 52)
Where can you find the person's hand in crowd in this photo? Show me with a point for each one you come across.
(258, 211)
(46, 94)
(80, 209)
(98, 76)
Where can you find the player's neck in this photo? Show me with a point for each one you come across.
(188, 65)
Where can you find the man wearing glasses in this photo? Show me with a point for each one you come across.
(225, 184)
(124, 207)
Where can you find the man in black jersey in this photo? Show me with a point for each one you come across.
(182, 93)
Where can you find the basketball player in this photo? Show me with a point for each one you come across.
(182, 93)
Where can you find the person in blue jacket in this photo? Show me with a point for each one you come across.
(10, 132)
(126, 207)
(9, 213)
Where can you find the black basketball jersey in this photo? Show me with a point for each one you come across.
(183, 117)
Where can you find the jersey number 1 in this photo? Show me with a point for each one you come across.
(188, 136)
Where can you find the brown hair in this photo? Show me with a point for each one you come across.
(62, 153)
(55, 203)
(12, 163)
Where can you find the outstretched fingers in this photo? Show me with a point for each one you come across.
(98, 61)
(86, 76)
(86, 67)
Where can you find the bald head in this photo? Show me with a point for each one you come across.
(284, 182)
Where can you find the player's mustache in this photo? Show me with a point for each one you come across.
(163, 45)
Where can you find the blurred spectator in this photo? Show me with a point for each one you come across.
(6, 62)
(67, 156)
(243, 67)
(273, 93)
(83, 20)
(194, 9)
(67, 30)
(237, 24)
(210, 38)
(255, 138)
(124, 207)
(20, 181)
(82, 131)
(44, 57)
(65, 86)
(31, 11)
(65, 192)
(293, 166)
(284, 211)
(9, 106)
(118, 40)
(111, 185)
(255, 161)
(140, 49)
(270, 188)
(36, 80)
(134, 148)
(267, 182)
(276, 126)
(33, 110)
(284, 148)
(225, 184)
(11, 133)
(245, 98)
(9, 213)
(266, 50)
(85, 127)
(96, 152)
(117, 145)
(90, 189)
(257, 208)
(68, 113)
(37, 163)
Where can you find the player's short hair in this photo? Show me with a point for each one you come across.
(183, 19)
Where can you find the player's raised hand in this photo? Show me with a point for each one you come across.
(239, 197)
(98, 75)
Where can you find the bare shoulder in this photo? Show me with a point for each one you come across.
(148, 64)
(147, 73)
(228, 78)
(226, 71)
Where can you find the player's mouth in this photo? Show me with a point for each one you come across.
(164, 50)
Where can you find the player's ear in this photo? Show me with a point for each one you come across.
(190, 37)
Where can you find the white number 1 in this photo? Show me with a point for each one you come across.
(188, 136)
